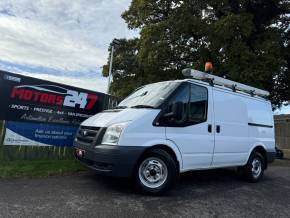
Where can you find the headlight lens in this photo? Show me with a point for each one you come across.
(113, 133)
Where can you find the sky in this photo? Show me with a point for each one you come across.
(283, 110)
(62, 41)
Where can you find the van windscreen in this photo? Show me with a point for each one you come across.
(149, 96)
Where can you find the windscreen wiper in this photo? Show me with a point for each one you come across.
(142, 106)
(120, 107)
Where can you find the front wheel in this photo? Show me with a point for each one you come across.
(253, 171)
(156, 172)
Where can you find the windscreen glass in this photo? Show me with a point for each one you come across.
(149, 96)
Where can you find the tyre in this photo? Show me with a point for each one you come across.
(156, 172)
(253, 171)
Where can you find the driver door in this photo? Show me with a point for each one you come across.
(193, 133)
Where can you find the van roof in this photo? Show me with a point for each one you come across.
(199, 82)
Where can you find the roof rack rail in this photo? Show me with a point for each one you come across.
(216, 80)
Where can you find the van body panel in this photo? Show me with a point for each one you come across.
(245, 123)
(109, 117)
(195, 143)
(261, 128)
(232, 142)
(141, 131)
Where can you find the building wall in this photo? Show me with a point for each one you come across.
(282, 131)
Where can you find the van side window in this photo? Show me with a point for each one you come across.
(192, 101)
(198, 104)
(181, 96)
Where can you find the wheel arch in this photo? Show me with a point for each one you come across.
(259, 147)
(173, 152)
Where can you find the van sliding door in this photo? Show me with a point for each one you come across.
(231, 128)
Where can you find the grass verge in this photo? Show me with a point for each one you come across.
(39, 168)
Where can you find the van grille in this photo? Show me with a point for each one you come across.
(88, 135)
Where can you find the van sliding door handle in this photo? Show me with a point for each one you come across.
(209, 128)
(218, 128)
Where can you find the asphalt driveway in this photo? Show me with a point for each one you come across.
(214, 193)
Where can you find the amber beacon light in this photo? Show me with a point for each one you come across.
(208, 67)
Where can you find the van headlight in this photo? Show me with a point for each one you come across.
(113, 133)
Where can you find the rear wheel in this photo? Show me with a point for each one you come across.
(253, 171)
(156, 172)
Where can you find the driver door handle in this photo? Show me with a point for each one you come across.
(209, 128)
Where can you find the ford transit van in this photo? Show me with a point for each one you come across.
(167, 128)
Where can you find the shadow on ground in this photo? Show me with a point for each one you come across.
(202, 180)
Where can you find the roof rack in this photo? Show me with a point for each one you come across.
(216, 80)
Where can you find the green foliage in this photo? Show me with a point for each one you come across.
(105, 71)
(127, 71)
(247, 40)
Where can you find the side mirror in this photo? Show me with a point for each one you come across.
(177, 111)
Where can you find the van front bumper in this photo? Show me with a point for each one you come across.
(111, 160)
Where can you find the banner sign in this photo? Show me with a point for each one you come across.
(28, 99)
(36, 134)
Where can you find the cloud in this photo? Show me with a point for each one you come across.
(86, 81)
(94, 84)
(39, 44)
(70, 37)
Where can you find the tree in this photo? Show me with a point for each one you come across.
(126, 69)
(247, 40)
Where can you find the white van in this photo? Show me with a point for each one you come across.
(167, 128)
